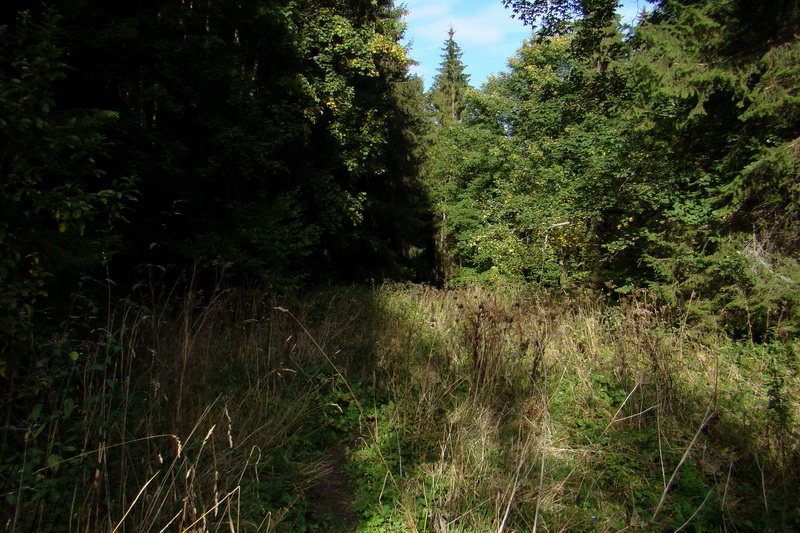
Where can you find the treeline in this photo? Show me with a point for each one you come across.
(661, 156)
(266, 139)
(286, 142)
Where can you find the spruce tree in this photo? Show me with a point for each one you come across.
(448, 93)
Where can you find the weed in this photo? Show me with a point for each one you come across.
(399, 408)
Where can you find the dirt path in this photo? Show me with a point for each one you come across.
(331, 498)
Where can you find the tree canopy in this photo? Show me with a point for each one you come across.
(450, 86)
(286, 142)
(661, 159)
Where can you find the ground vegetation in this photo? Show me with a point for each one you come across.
(254, 277)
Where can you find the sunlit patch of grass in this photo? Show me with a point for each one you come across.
(456, 410)
(623, 409)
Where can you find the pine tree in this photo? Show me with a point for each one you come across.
(447, 95)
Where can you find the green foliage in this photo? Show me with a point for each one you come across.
(448, 93)
(547, 184)
(665, 160)
(460, 175)
(285, 141)
(554, 16)
(45, 456)
(264, 239)
(715, 237)
(58, 205)
(248, 120)
(400, 408)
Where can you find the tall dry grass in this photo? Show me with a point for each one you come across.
(575, 413)
(416, 409)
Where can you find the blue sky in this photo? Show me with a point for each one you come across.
(485, 31)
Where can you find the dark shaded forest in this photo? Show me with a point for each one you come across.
(254, 277)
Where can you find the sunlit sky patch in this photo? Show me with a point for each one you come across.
(485, 31)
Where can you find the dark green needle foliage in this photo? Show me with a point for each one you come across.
(450, 86)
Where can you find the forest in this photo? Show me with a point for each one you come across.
(255, 277)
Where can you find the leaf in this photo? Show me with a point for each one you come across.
(69, 406)
(54, 461)
(36, 412)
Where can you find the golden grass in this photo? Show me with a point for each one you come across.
(461, 410)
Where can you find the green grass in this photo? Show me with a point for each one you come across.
(451, 410)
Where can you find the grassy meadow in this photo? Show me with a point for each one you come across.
(403, 408)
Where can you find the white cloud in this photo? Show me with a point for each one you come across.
(421, 11)
(491, 24)
(490, 28)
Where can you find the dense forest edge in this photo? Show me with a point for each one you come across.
(255, 277)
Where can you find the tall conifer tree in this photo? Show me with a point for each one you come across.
(447, 95)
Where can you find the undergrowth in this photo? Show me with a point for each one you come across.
(399, 408)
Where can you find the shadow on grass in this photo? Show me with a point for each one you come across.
(403, 408)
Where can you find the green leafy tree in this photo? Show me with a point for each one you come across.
(541, 212)
(57, 205)
(396, 231)
(261, 130)
(554, 16)
(559, 17)
(463, 167)
(666, 156)
(445, 168)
